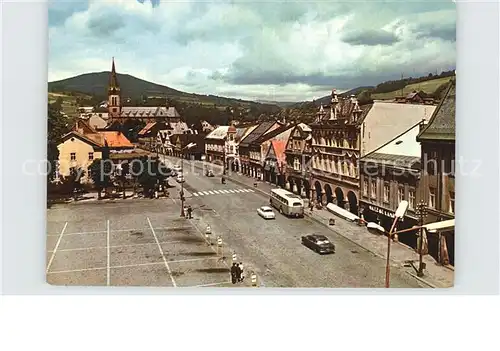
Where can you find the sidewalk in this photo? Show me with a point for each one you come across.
(435, 275)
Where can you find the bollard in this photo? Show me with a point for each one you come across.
(254, 279)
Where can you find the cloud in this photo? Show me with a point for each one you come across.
(370, 37)
(249, 49)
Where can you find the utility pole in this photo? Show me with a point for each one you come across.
(421, 212)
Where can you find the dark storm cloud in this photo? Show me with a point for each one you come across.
(316, 81)
(445, 32)
(370, 37)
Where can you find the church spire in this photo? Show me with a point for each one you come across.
(113, 80)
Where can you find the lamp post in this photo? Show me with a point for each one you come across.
(421, 212)
(224, 158)
(400, 213)
(187, 147)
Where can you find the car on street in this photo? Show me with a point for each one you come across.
(177, 168)
(318, 243)
(209, 173)
(180, 178)
(266, 212)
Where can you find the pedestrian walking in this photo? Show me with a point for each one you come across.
(190, 212)
(242, 272)
(234, 277)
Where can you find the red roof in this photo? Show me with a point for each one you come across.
(116, 139)
(147, 128)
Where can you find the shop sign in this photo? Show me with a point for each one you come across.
(381, 211)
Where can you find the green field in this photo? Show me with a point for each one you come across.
(69, 105)
(428, 87)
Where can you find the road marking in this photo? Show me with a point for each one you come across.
(216, 191)
(162, 255)
(210, 284)
(206, 193)
(210, 192)
(108, 259)
(251, 190)
(231, 191)
(131, 265)
(195, 194)
(122, 230)
(55, 249)
(247, 190)
(117, 246)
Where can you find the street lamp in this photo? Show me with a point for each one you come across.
(187, 147)
(421, 212)
(400, 213)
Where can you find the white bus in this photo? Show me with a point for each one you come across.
(287, 203)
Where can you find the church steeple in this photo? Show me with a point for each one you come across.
(114, 103)
(113, 80)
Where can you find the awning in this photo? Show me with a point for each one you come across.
(440, 226)
(372, 225)
(341, 212)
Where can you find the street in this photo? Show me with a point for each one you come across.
(273, 248)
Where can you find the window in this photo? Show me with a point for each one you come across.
(374, 189)
(451, 201)
(432, 198)
(386, 192)
(73, 156)
(365, 188)
(411, 200)
(91, 156)
(401, 194)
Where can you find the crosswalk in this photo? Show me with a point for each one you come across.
(222, 192)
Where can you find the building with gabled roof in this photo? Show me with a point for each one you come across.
(83, 144)
(245, 146)
(437, 185)
(298, 158)
(275, 163)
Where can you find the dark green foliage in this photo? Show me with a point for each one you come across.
(100, 173)
(57, 126)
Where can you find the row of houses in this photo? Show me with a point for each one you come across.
(365, 159)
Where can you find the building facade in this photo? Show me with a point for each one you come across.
(275, 163)
(83, 144)
(215, 145)
(335, 153)
(251, 155)
(437, 186)
(298, 160)
(388, 176)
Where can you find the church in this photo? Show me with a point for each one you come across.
(149, 114)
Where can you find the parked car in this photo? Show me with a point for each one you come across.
(209, 173)
(180, 178)
(177, 168)
(266, 212)
(318, 243)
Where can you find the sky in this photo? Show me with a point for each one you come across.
(272, 50)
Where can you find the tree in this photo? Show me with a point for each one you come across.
(364, 97)
(57, 126)
(100, 174)
(75, 179)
